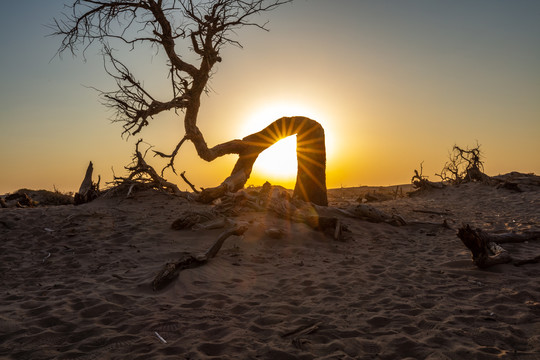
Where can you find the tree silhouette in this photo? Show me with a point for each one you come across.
(464, 165)
(201, 29)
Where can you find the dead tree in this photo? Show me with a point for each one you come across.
(203, 28)
(464, 165)
(311, 154)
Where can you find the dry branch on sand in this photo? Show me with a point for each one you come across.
(170, 271)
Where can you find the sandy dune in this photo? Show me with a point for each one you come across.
(76, 283)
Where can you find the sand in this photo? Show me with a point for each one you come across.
(76, 283)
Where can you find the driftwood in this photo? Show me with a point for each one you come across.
(170, 271)
(88, 190)
(485, 249)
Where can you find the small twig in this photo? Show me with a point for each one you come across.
(46, 257)
(130, 189)
(160, 338)
(183, 176)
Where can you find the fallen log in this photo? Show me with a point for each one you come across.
(170, 271)
(485, 249)
(511, 237)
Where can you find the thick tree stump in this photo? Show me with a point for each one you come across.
(484, 253)
(485, 249)
(88, 190)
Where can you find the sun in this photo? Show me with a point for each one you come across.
(278, 163)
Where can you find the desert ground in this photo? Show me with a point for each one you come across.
(76, 280)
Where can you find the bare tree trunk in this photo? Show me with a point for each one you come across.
(311, 154)
(310, 151)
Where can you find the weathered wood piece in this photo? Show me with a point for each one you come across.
(237, 230)
(534, 260)
(170, 271)
(484, 254)
(485, 249)
(511, 237)
(88, 190)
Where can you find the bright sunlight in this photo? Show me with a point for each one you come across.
(278, 163)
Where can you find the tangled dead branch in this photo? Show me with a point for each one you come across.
(421, 182)
(464, 165)
(143, 175)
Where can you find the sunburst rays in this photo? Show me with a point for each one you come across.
(310, 152)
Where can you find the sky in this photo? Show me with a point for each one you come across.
(395, 84)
